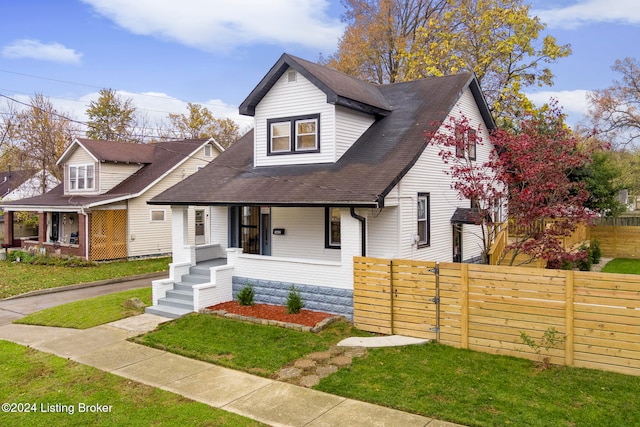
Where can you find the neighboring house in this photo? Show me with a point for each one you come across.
(100, 212)
(334, 168)
(21, 184)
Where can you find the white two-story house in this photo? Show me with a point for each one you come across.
(334, 168)
(100, 212)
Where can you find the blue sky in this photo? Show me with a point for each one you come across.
(164, 54)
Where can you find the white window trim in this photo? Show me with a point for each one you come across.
(77, 167)
(427, 221)
(164, 215)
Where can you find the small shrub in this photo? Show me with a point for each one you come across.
(550, 339)
(583, 261)
(595, 251)
(294, 301)
(246, 295)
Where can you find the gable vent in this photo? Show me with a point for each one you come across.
(292, 76)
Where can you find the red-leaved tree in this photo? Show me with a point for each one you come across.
(529, 166)
(474, 178)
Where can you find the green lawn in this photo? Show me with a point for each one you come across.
(622, 265)
(438, 381)
(480, 389)
(261, 350)
(18, 278)
(90, 312)
(42, 381)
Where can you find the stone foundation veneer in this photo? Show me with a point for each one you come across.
(317, 298)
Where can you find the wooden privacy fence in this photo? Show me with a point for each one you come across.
(617, 241)
(485, 308)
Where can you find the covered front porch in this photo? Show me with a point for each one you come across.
(270, 248)
(59, 232)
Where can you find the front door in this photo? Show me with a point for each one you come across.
(457, 242)
(200, 234)
(250, 229)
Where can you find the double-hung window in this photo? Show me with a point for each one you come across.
(466, 143)
(424, 221)
(294, 135)
(81, 177)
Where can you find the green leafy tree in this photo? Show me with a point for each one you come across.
(496, 39)
(112, 118)
(388, 41)
(378, 35)
(199, 122)
(601, 178)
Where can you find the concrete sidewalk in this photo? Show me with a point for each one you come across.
(271, 402)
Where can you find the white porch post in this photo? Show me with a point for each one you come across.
(179, 235)
(350, 240)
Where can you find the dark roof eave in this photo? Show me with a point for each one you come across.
(357, 204)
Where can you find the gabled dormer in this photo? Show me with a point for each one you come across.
(95, 167)
(305, 113)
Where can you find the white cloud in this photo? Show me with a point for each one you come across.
(225, 24)
(35, 49)
(584, 12)
(574, 103)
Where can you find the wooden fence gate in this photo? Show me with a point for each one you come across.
(396, 297)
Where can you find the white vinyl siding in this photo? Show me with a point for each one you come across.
(150, 238)
(293, 99)
(427, 176)
(112, 174)
(304, 234)
(350, 125)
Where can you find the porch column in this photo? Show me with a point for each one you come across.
(82, 235)
(8, 227)
(179, 234)
(42, 227)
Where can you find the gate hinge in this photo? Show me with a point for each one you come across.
(436, 329)
(435, 270)
(435, 300)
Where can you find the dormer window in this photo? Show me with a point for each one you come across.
(81, 177)
(208, 150)
(294, 135)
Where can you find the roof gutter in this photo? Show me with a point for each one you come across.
(363, 237)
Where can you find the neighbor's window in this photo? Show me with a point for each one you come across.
(157, 215)
(424, 225)
(466, 143)
(207, 150)
(294, 135)
(81, 177)
(332, 228)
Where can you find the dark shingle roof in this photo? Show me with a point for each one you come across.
(362, 176)
(161, 157)
(340, 88)
(121, 152)
(9, 181)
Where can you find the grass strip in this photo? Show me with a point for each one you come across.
(50, 391)
(18, 278)
(90, 312)
(623, 266)
(258, 349)
(480, 389)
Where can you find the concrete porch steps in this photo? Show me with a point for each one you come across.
(179, 300)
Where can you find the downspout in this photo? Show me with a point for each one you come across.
(363, 237)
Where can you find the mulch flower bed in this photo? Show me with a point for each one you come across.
(273, 312)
